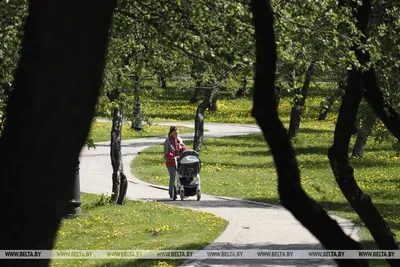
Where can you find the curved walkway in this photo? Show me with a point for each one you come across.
(252, 225)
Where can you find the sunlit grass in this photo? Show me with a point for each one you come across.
(133, 226)
(101, 131)
(229, 110)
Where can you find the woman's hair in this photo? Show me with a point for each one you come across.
(171, 130)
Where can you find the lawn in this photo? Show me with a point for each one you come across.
(229, 110)
(101, 131)
(134, 226)
(242, 167)
(172, 104)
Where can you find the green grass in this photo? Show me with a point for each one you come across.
(172, 104)
(104, 226)
(229, 110)
(101, 131)
(243, 167)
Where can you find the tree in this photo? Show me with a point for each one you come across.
(300, 101)
(326, 105)
(367, 120)
(119, 180)
(360, 77)
(292, 196)
(199, 119)
(309, 44)
(54, 94)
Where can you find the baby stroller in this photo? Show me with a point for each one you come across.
(188, 173)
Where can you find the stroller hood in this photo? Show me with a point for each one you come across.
(189, 164)
(189, 156)
(189, 152)
(189, 159)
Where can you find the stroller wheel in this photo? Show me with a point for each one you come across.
(198, 195)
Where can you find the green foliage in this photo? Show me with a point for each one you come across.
(132, 227)
(100, 201)
(311, 30)
(383, 46)
(12, 15)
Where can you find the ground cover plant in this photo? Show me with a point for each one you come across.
(137, 225)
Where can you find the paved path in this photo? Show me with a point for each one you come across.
(251, 225)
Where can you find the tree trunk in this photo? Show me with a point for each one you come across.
(137, 112)
(163, 82)
(119, 181)
(213, 107)
(57, 83)
(292, 196)
(195, 97)
(327, 104)
(368, 122)
(338, 153)
(199, 120)
(242, 89)
(297, 110)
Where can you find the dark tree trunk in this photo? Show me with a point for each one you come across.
(327, 104)
(240, 92)
(163, 81)
(364, 132)
(297, 110)
(355, 127)
(338, 153)
(292, 196)
(57, 83)
(213, 105)
(119, 181)
(137, 112)
(199, 120)
(195, 97)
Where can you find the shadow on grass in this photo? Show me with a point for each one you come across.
(299, 151)
(314, 131)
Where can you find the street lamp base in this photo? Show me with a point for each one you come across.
(73, 213)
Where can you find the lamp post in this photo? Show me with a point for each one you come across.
(74, 204)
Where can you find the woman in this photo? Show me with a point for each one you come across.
(173, 147)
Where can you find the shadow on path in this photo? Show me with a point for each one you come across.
(236, 261)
